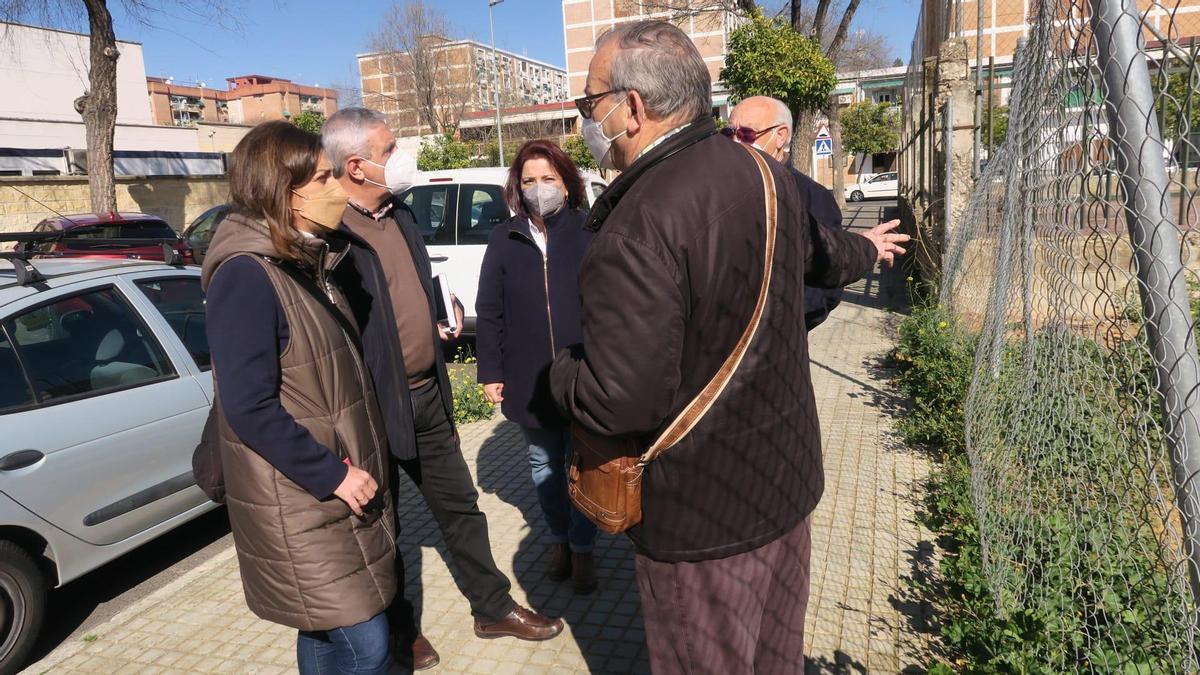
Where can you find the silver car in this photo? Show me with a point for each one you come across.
(105, 385)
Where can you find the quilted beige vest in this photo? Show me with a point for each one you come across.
(309, 564)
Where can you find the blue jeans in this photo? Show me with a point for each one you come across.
(549, 454)
(354, 650)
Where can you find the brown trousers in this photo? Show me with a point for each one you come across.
(741, 614)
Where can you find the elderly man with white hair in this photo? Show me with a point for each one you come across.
(766, 123)
(673, 300)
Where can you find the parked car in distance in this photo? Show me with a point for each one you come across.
(883, 185)
(199, 234)
(137, 236)
(456, 210)
(105, 385)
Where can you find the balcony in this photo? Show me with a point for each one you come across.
(187, 106)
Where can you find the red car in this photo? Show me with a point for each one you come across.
(138, 236)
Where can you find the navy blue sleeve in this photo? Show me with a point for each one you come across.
(246, 333)
(822, 207)
(823, 211)
(489, 316)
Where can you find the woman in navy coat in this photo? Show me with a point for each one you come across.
(528, 309)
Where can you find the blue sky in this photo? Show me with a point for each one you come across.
(315, 42)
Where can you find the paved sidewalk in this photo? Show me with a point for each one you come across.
(863, 540)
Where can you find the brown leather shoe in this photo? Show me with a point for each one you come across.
(416, 655)
(583, 573)
(521, 623)
(559, 568)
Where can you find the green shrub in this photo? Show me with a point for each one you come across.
(935, 361)
(1073, 580)
(470, 405)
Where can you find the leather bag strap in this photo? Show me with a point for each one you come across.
(694, 411)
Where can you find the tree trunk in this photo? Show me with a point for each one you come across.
(798, 23)
(834, 113)
(98, 106)
(804, 133)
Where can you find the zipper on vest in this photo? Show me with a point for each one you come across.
(545, 279)
(358, 366)
(323, 276)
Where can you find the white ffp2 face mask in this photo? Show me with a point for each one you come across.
(544, 199)
(765, 144)
(400, 171)
(597, 142)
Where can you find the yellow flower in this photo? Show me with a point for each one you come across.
(943, 325)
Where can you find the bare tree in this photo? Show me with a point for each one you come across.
(864, 50)
(98, 104)
(416, 34)
(685, 8)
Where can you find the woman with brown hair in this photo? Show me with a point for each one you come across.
(300, 434)
(528, 308)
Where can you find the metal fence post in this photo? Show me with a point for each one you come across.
(948, 156)
(1134, 128)
(975, 150)
(1014, 196)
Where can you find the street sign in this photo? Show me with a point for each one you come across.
(822, 131)
(823, 147)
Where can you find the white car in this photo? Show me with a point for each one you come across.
(105, 384)
(883, 185)
(456, 210)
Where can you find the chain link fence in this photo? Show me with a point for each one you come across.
(1074, 266)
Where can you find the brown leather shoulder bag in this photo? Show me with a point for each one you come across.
(605, 478)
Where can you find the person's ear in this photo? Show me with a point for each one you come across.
(354, 169)
(637, 112)
(785, 138)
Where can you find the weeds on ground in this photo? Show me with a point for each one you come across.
(470, 405)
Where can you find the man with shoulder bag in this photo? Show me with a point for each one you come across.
(695, 423)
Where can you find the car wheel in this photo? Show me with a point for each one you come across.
(22, 605)
(856, 196)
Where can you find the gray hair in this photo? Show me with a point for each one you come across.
(782, 114)
(662, 64)
(344, 135)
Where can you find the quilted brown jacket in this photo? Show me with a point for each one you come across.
(308, 564)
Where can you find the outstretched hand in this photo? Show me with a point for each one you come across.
(887, 243)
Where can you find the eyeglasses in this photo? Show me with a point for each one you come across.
(586, 104)
(746, 134)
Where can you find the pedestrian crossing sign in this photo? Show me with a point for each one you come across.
(823, 147)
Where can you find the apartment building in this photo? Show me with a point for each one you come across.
(460, 80)
(881, 85)
(42, 72)
(247, 99)
(1004, 22)
(586, 20)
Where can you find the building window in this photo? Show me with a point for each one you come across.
(185, 110)
(882, 161)
(311, 104)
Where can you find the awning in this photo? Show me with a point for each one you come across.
(882, 84)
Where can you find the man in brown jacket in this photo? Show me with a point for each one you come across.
(390, 291)
(669, 284)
